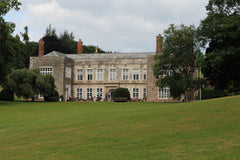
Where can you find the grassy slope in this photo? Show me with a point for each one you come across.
(198, 130)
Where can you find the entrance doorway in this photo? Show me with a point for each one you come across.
(67, 92)
(108, 95)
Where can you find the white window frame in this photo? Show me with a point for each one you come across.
(99, 91)
(144, 74)
(135, 74)
(89, 93)
(168, 73)
(135, 92)
(112, 74)
(88, 78)
(79, 74)
(99, 74)
(68, 72)
(125, 75)
(79, 93)
(144, 92)
(46, 70)
(164, 93)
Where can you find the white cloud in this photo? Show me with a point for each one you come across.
(116, 25)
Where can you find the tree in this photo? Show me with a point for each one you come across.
(175, 67)
(25, 35)
(50, 31)
(68, 40)
(92, 49)
(6, 28)
(23, 82)
(27, 83)
(220, 30)
(46, 86)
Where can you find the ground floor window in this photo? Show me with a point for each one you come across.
(89, 93)
(164, 93)
(135, 92)
(79, 93)
(144, 93)
(99, 94)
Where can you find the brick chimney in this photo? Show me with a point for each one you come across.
(159, 44)
(79, 46)
(41, 48)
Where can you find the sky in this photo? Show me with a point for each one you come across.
(112, 25)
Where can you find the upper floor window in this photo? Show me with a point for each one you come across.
(144, 74)
(46, 70)
(89, 75)
(99, 75)
(125, 74)
(135, 73)
(164, 93)
(79, 74)
(112, 74)
(68, 72)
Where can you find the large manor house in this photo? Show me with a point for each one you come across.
(86, 76)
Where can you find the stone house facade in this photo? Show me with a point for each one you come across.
(87, 76)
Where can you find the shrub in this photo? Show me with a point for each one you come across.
(53, 97)
(208, 93)
(121, 94)
(6, 95)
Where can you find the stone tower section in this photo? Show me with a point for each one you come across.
(80, 46)
(159, 44)
(41, 48)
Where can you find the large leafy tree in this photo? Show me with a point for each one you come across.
(27, 83)
(6, 28)
(22, 82)
(64, 43)
(220, 30)
(175, 67)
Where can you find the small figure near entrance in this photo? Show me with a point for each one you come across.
(98, 98)
(134, 99)
(70, 97)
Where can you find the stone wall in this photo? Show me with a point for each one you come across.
(106, 64)
(152, 89)
(58, 66)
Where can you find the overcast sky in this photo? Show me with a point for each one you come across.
(113, 25)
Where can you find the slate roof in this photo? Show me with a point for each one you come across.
(55, 54)
(101, 55)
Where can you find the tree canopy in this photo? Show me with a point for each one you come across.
(175, 67)
(220, 30)
(6, 29)
(27, 83)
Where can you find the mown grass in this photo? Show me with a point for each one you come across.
(120, 131)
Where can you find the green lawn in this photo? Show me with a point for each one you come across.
(120, 131)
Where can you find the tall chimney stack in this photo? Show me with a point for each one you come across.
(41, 48)
(79, 46)
(159, 44)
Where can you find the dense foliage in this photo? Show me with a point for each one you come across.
(27, 83)
(208, 93)
(221, 31)
(6, 95)
(121, 93)
(6, 29)
(176, 66)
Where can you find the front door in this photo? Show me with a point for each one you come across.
(67, 92)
